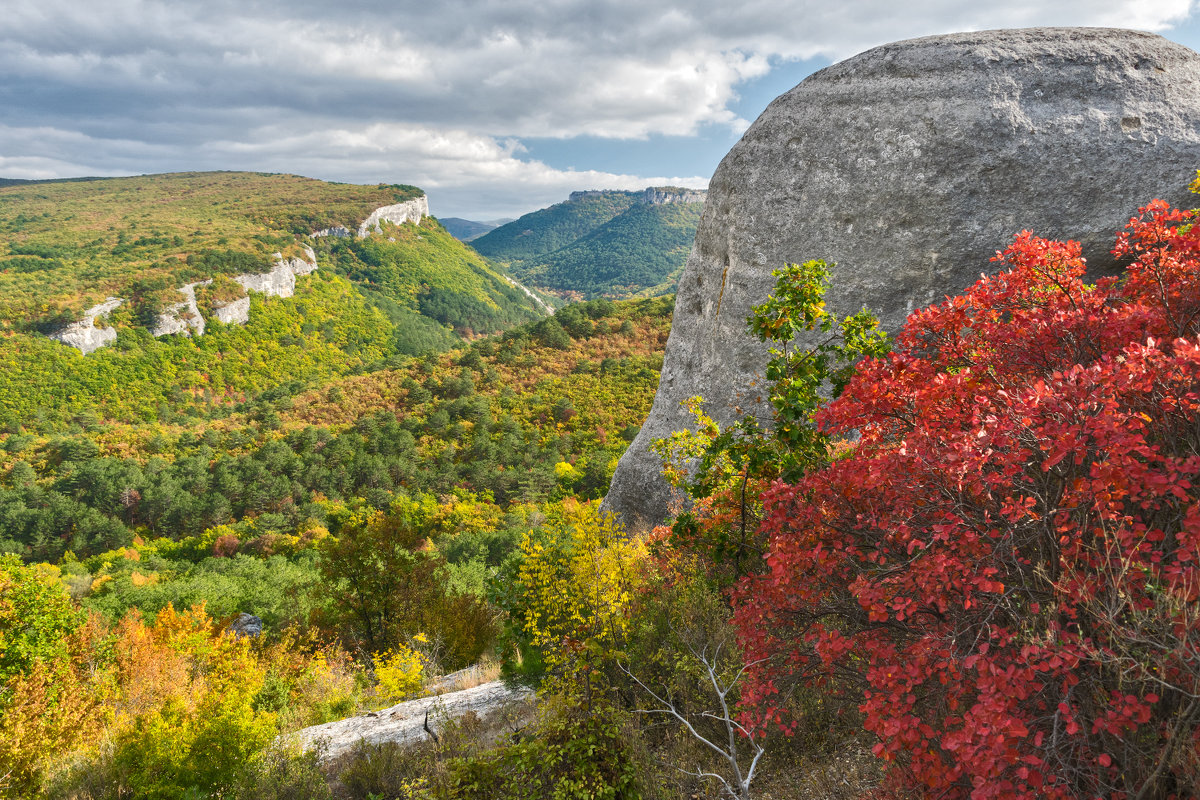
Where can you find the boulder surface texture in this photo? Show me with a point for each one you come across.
(909, 166)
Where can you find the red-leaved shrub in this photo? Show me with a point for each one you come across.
(1004, 572)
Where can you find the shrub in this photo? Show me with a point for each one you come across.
(1005, 568)
(570, 754)
(401, 671)
(575, 594)
(36, 615)
(283, 773)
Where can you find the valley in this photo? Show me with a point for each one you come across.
(304, 495)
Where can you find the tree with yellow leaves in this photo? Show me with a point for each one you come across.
(575, 596)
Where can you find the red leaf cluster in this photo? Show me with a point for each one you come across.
(1004, 572)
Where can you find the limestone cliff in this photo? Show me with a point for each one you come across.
(83, 334)
(910, 165)
(409, 211)
(664, 195)
(234, 312)
(182, 317)
(281, 280)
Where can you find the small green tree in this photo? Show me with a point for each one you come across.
(813, 354)
(378, 578)
(36, 616)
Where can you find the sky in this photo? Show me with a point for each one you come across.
(494, 107)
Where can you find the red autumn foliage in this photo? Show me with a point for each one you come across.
(1004, 573)
(226, 546)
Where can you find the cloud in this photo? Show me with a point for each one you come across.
(465, 174)
(429, 93)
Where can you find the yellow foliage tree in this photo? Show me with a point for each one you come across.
(578, 591)
(401, 671)
(186, 717)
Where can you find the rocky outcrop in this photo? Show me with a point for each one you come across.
(405, 723)
(337, 232)
(83, 335)
(409, 211)
(234, 312)
(182, 317)
(910, 165)
(281, 280)
(245, 626)
(664, 195)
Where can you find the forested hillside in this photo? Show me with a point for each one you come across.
(542, 411)
(66, 245)
(639, 253)
(549, 229)
(600, 244)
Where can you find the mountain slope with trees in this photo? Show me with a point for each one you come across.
(65, 245)
(557, 226)
(600, 243)
(639, 253)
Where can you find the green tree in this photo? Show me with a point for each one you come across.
(36, 616)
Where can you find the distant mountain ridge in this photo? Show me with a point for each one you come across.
(601, 242)
(466, 230)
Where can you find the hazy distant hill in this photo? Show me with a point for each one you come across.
(466, 230)
(549, 229)
(612, 244)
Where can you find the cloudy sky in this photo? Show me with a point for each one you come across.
(494, 107)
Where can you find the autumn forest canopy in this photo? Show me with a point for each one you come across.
(960, 561)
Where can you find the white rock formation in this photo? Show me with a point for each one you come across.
(234, 312)
(183, 317)
(405, 723)
(280, 281)
(83, 335)
(337, 232)
(409, 211)
(665, 195)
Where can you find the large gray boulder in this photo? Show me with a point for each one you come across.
(910, 165)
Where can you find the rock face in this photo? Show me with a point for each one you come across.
(405, 723)
(182, 317)
(246, 625)
(409, 211)
(663, 195)
(83, 335)
(280, 281)
(235, 312)
(910, 165)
